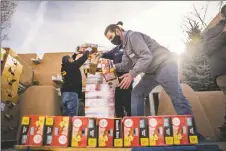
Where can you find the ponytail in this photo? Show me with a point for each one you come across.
(120, 25)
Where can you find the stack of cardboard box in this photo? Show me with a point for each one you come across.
(99, 97)
(77, 131)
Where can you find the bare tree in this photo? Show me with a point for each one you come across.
(7, 10)
(194, 66)
(198, 17)
(220, 4)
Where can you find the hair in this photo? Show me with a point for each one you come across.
(120, 23)
(113, 27)
(65, 59)
(223, 11)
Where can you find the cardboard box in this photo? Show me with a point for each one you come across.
(160, 131)
(97, 87)
(101, 111)
(59, 127)
(117, 133)
(109, 132)
(94, 79)
(94, 63)
(48, 131)
(79, 131)
(92, 132)
(135, 131)
(109, 73)
(100, 94)
(181, 131)
(100, 102)
(192, 134)
(32, 128)
(83, 47)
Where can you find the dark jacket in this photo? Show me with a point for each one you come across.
(213, 45)
(71, 74)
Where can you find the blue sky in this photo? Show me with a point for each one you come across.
(57, 26)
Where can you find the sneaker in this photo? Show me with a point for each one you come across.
(222, 129)
(201, 138)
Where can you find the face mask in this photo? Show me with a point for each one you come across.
(116, 40)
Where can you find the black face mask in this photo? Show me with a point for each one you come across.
(116, 40)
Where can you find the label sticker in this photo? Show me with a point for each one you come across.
(37, 139)
(152, 122)
(62, 140)
(176, 121)
(103, 123)
(49, 121)
(77, 123)
(25, 121)
(128, 123)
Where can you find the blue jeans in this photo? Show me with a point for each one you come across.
(167, 77)
(70, 103)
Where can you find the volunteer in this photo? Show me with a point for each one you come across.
(213, 44)
(144, 54)
(122, 96)
(72, 82)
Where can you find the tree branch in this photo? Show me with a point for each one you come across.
(197, 14)
(8, 8)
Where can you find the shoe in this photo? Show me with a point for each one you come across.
(222, 129)
(201, 138)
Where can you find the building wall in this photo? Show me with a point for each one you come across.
(215, 20)
(49, 66)
(208, 108)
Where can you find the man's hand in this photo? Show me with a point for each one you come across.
(77, 50)
(224, 29)
(89, 49)
(127, 79)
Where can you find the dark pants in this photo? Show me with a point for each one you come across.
(122, 101)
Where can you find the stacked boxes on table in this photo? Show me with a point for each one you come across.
(99, 97)
(107, 132)
(47, 131)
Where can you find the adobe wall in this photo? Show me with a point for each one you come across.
(50, 66)
(40, 100)
(213, 103)
(208, 109)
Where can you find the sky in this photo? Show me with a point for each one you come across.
(60, 26)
